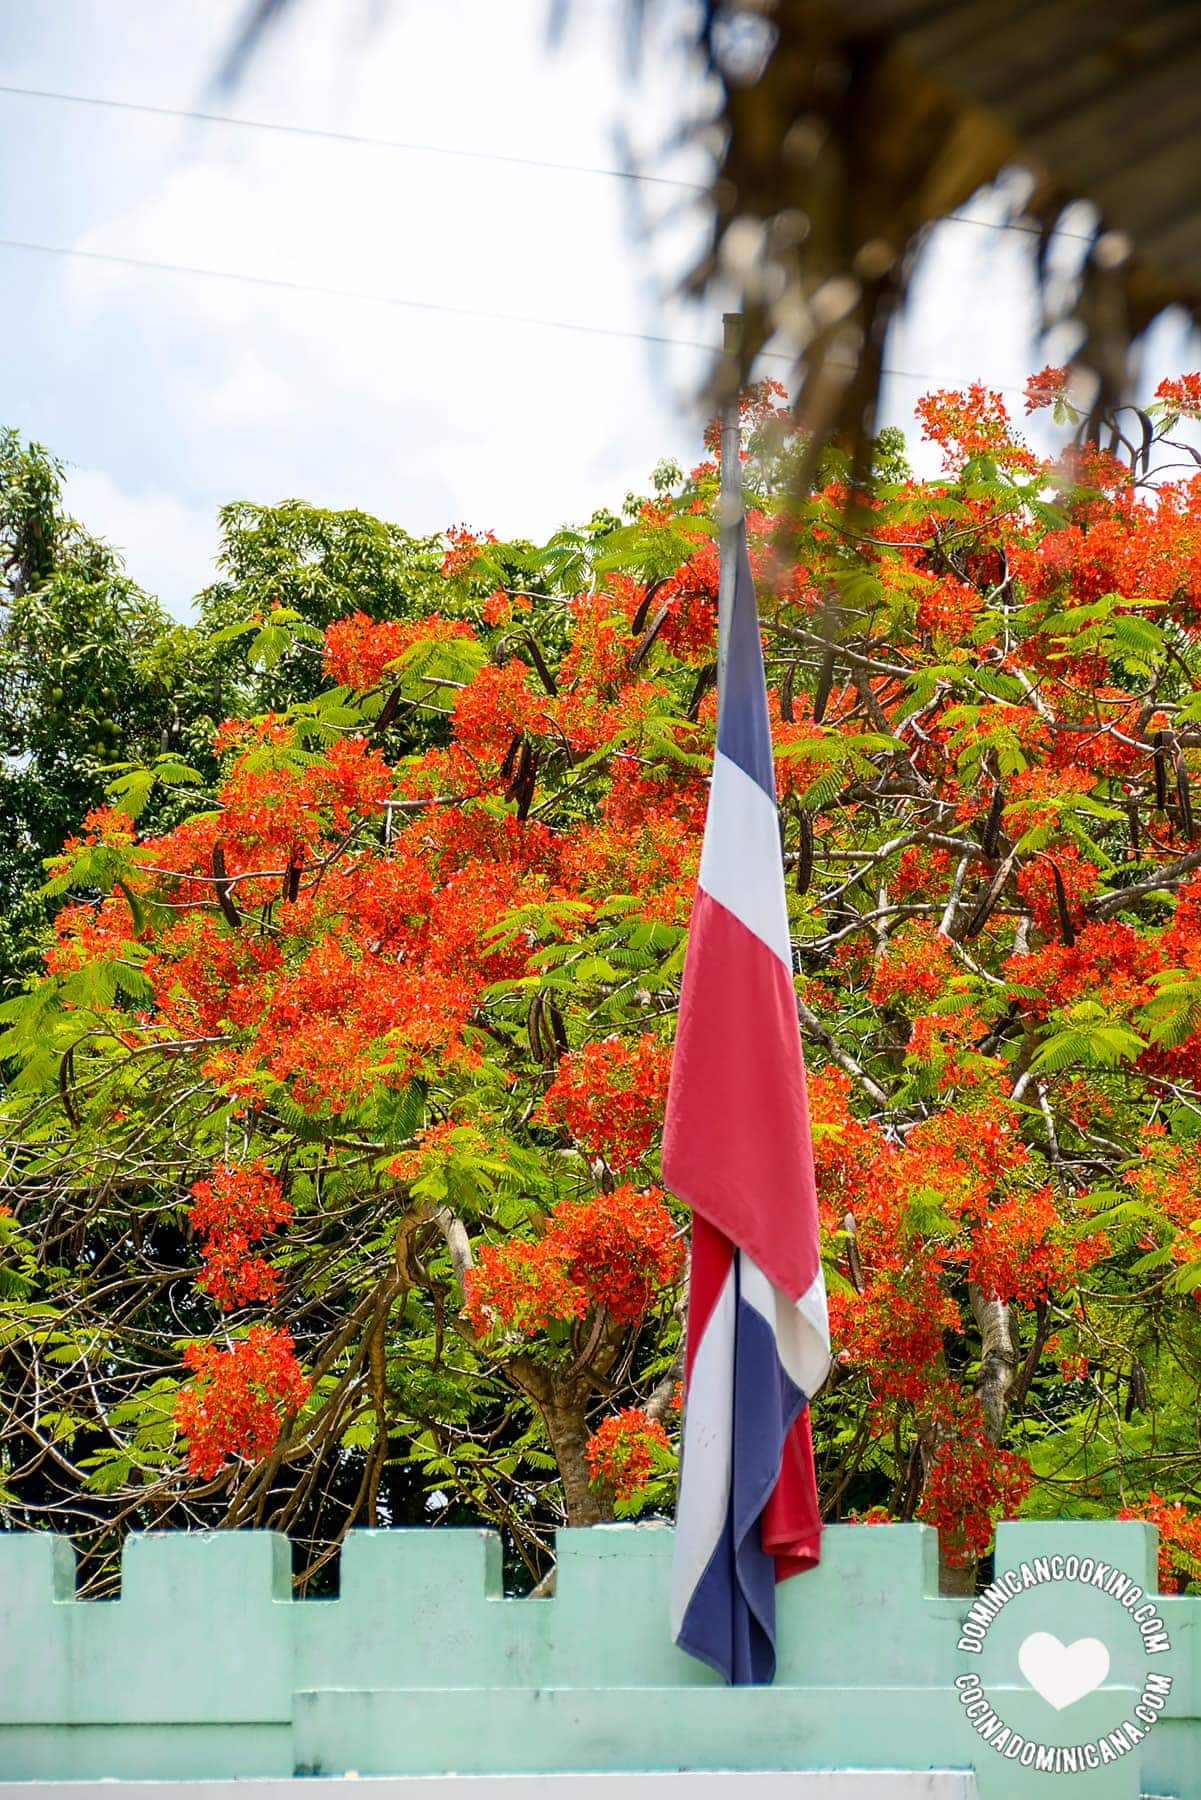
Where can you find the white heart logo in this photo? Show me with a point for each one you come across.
(1063, 1673)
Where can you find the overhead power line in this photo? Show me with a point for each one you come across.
(365, 140)
(365, 296)
(361, 140)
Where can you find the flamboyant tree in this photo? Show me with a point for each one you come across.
(331, 1188)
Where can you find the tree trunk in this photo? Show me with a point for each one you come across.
(998, 1359)
(955, 1578)
(567, 1430)
(998, 1368)
(562, 1399)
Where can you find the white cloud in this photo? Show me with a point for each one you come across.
(174, 393)
(252, 393)
(162, 539)
(201, 390)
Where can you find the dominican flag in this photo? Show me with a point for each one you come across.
(736, 1147)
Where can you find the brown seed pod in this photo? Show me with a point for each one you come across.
(221, 886)
(1183, 797)
(704, 682)
(387, 712)
(1160, 740)
(546, 1030)
(854, 1260)
(992, 896)
(539, 661)
(787, 709)
(557, 1029)
(638, 622)
(825, 681)
(506, 768)
(533, 1024)
(527, 773)
(992, 824)
(66, 1075)
(519, 774)
(649, 635)
(1136, 1388)
(804, 856)
(1066, 927)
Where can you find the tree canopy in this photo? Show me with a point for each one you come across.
(89, 669)
(331, 1190)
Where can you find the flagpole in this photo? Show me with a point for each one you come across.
(729, 505)
(737, 1151)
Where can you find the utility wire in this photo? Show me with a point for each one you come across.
(282, 284)
(365, 141)
(359, 139)
(364, 296)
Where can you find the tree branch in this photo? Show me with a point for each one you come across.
(1103, 906)
(812, 1026)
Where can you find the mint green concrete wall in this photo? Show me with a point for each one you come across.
(205, 1665)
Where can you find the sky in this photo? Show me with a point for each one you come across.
(171, 393)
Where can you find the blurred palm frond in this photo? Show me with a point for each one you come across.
(867, 121)
(850, 127)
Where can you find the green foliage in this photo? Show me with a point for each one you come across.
(299, 567)
(92, 673)
(985, 770)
